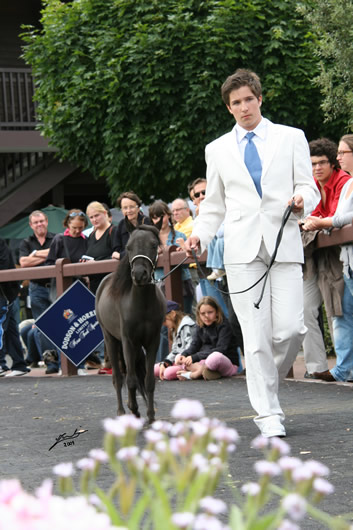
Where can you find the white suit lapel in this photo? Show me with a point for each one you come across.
(271, 146)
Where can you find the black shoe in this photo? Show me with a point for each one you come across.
(33, 365)
(51, 370)
(325, 376)
(93, 362)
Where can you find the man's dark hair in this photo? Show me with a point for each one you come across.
(325, 147)
(195, 182)
(240, 78)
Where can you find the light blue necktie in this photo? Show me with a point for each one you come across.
(253, 162)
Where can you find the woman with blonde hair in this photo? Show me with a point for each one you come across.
(102, 242)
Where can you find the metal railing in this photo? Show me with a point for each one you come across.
(17, 107)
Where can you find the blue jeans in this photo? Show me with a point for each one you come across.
(215, 253)
(10, 337)
(343, 335)
(40, 301)
(30, 336)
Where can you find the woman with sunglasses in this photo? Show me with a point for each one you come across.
(72, 243)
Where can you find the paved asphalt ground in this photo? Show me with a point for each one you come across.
(34, 411)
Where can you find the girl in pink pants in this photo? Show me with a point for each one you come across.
(212, 353)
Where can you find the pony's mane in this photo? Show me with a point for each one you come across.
(121, 279)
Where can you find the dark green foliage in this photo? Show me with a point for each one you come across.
(332, 21)
(130, 89)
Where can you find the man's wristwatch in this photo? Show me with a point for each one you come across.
(33, 253)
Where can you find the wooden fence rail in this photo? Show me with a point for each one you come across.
(63, 271)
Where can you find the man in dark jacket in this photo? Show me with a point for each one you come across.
(9, 335)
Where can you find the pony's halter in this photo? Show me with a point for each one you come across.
(148, 259)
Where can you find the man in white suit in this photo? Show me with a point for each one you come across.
(251, 188)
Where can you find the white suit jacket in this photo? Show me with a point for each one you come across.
(231, 195)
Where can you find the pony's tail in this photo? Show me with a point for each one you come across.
(140, 368)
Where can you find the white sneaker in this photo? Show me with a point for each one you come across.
(82, 371)
(15, 373)
(273, 429)
(218, 273)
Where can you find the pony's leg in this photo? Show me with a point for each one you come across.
(130, 353)
(115, 354)
(150, 381)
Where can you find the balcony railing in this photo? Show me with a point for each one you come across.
(17, 108)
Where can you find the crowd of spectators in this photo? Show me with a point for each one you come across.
(328, 280)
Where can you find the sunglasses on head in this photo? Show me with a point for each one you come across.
(198, 193)
(77, 214)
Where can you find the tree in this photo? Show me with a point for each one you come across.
(130, 89)
(332, 21)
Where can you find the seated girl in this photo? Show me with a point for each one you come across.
(213, 352)
(181, 328)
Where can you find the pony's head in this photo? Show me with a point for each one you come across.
(142, 251)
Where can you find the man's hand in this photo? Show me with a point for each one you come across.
(298, 203)
(192, 243)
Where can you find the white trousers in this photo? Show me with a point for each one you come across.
(314, 348)
(273, 333)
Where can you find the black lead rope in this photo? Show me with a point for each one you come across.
(172, 270)
(285, 218)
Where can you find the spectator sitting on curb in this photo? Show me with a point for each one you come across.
(212, 353)
(181, 328)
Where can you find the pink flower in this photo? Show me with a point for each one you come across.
(317, 468)
(207, 522)
(9, 489)
(225, 434)
(322, 486)
(183, 519)
(200, 429)
(153, 436)
(295, 506)
(251, 488)
(302, 473)
(213, 449)
(114, 427)
(263, 467)
(188, 409)
(288, 525)
(288, 463)
(127, 454)
(280, 445)
(99, 455)
(45, 491)
(65, 469)
(260, 442)
(200, 463)
(213, 506)
(86, 464)
(162, 426)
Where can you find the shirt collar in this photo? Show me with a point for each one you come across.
(260, 130)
